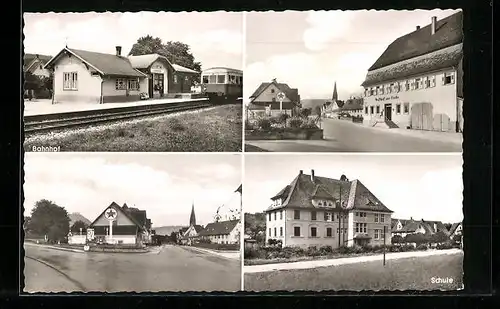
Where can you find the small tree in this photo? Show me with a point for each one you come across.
(417, 238)
(49, 219)
(397, 239)
(75, 228)
(305, 112)
(317, 110)
(439, 237)
(173, 237)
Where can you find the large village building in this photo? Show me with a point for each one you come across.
(417, 81)
(130, 226)
(266, 100)
(320, 211)
(86, 76)
(222, 232)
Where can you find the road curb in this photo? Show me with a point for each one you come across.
(57, 248)
(344, 261)
(211, 252)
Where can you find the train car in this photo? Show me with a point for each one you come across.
(222, 85)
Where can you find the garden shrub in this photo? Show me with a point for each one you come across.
(325, 250)
(312, 251)
(254, 253)
(283, 117)
(275, 120)
(309, 124)
(295, 122)
(445, 245)
(264, 123)
(293, 251)
(422, 247)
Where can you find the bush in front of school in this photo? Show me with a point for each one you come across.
(254, 253)
(326, 250)
(422, 247)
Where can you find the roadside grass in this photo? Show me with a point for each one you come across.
(250, 262)
(402, 274)
(252, 148)
(217, 129)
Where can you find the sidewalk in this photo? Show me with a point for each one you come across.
(235, 255)
(445, 137)
(46, 107)
(54, 247)
(344, 261)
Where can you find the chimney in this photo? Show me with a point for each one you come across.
(433, 25)
(418, 27)
(37, 56)
(312, 175)
(411, 218)
(301, 172)
(435, 227)
(118, 50)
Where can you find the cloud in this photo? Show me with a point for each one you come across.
(227, 41)
(326, 26)
(313, 75)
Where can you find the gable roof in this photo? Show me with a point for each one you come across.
(291, 93)
(353, 194)
(430, 51)
(454, 227)
(352, 105)
(219, 228)
(167, 230)
(145, 61)
(29, 60)
(120, 210)
(105, 64)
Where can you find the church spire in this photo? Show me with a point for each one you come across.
(192, 218)
(334, 95)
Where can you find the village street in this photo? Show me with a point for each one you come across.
(434, 272)
(345, 136)
(172, 268)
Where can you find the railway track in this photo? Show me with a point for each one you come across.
(41, 124)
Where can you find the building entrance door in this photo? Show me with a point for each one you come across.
(388, 111)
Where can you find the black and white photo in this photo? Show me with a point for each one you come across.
(353, 222)
(111, 222)
(354, 81)
(145, 81)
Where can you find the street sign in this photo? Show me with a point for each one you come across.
(111, 214)
(281, 97)
(90, 234)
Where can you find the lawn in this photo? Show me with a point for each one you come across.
(217, 129)
(400, 274)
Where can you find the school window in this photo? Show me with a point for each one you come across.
(205, 79)
(433, 81)
(296, 231)
(449, 78)
(362, 214)
(281, 215)
(213, 78)
(281, 231)
(328, 232)
(275, 215)
(221, 79)
(133, 84)
(313, 215)
(407, 86)
(328, 216)
(313, 232)
(360, 228)
(269, 232)
(275, 234)
(372, 91)
(382, 218)
(427, 82)
(376, 217)
(269, 215)
(378, 109)
(371, 110)
(377, 234)
(120, 84)
(417, 83)
(398, 108)
(70, 81)
(407, 108)
(366, 110)
(296, 214)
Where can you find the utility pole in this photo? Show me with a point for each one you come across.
(385, 231)
(340, 213)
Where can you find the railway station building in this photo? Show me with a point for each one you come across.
(417, 81)
(130, 227)
(86, 76)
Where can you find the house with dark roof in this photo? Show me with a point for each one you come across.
(403, 227)
(165, 79)
(86, 76)
(35, 64)
(222, 232)
(352, 107)
(273, 98)
(318, 211)
(187, 235)
(129, 226)
(417, 81)
(455, 229)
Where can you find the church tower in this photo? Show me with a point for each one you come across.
(335, 95)
(192, 218)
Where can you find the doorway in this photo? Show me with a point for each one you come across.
(388, 111)
(150, 87)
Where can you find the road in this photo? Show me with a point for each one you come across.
(174, 268)
(401, 274)
(345, 136)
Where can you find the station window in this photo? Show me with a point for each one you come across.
(120, 84)
(221, 79)
(212, 79)
(205, 79)
(272, 90)
(70, 81)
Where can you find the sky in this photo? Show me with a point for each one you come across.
(216, 38)
(417, 186)
(165, 185)
(311, 50)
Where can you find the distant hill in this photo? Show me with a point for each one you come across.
(76, 216)
(167, 230)
(306, 103)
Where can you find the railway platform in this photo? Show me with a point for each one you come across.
(45, 107)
